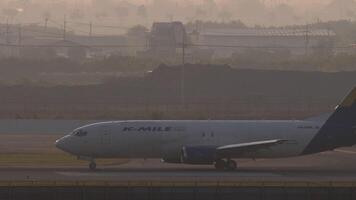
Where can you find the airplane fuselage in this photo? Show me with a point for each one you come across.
(165, 139)
(214, 142)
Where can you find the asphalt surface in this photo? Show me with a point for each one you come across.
(175, 174)
(329, 166)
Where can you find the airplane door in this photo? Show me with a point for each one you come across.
(114, 140)
(106, 136)
(207, 135)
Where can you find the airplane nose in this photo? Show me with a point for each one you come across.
(60, 144)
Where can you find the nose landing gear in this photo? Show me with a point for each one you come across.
(225, 165)
(92, 163)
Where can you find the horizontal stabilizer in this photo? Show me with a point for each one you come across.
(319, 118)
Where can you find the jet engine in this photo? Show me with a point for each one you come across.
(198, 155)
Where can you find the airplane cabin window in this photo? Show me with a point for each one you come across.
(81, 133)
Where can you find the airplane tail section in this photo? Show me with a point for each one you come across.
(339, 129)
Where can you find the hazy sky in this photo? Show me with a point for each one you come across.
(129, 12)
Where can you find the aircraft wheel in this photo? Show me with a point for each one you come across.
(220, 164)
(231, 165)
(92, 166)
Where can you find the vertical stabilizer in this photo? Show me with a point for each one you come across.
(339, 129)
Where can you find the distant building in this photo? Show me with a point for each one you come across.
(38, 41)
(225, 42)
(166, 39)
(14, 37)
(102, 46)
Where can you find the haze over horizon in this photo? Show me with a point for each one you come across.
(126, 13)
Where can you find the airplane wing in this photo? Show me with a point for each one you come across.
(243, 148)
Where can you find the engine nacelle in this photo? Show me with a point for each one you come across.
(198, 155)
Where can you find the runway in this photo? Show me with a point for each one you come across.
(329, 166)
(210, 175)
(172, 175)
(258, 183)
(151, 180)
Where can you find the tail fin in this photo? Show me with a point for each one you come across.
(339, 129)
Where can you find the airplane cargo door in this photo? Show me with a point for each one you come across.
(106, 141)
(103, 141)
(113, 140)
(106, 136)
(207, 135)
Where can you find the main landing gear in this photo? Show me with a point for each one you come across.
(226, 165)
(92, 165)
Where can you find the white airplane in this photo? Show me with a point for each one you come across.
(213, 142)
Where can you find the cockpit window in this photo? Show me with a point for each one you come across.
(80, 133)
